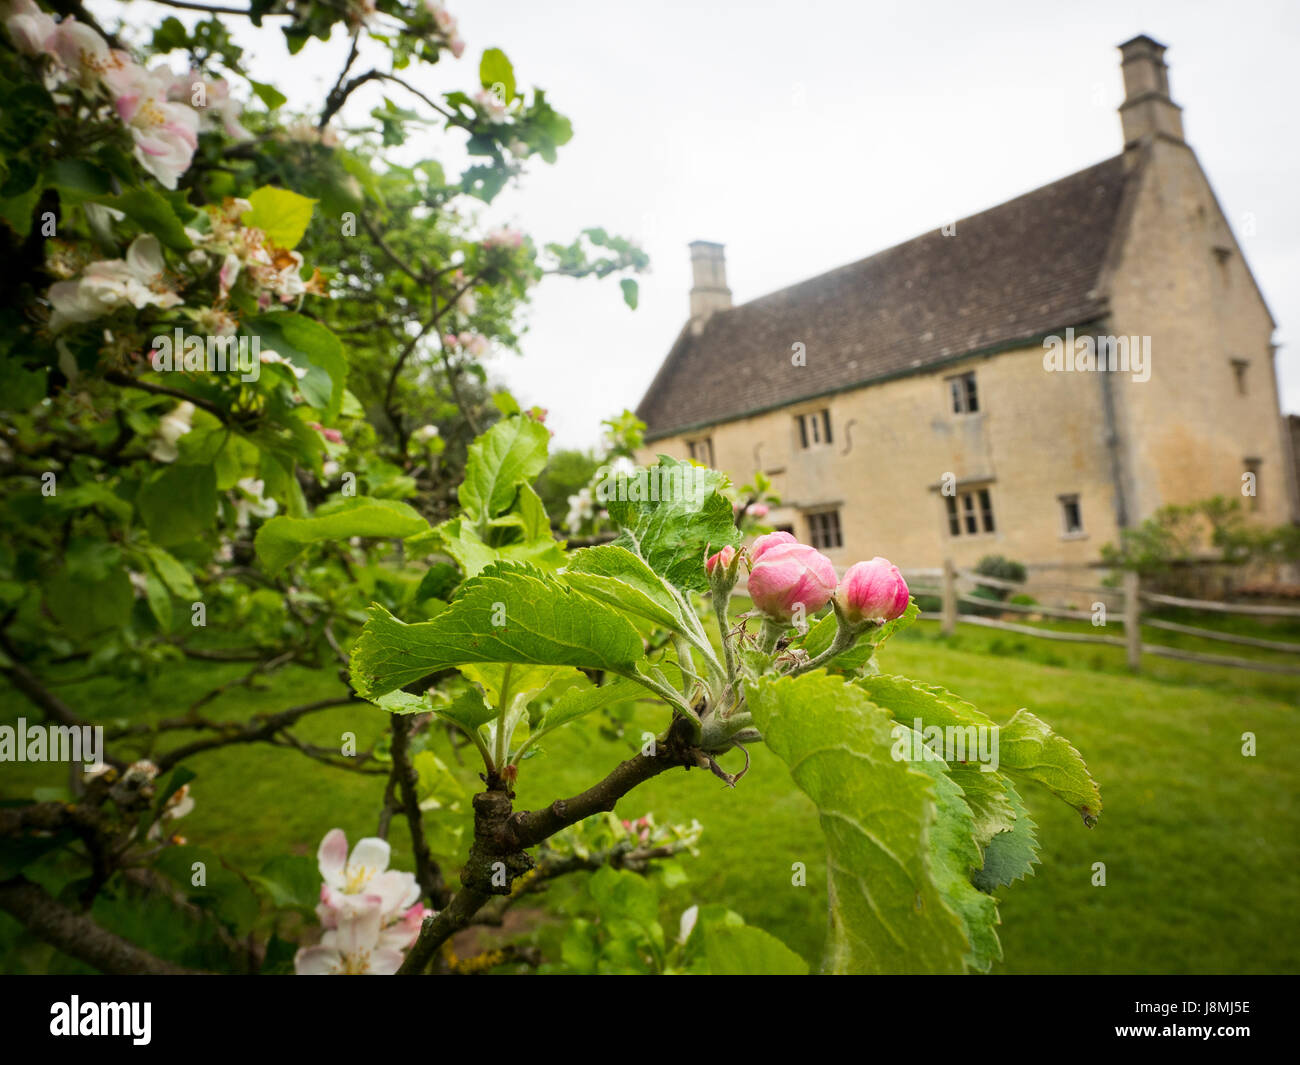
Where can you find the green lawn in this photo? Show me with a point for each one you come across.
(1200, 844)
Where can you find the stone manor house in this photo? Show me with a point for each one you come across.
(925, 423)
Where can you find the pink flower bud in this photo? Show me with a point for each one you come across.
(724, 556)
(788, 574)
(758, 510)
(763, 543)
(874, 590)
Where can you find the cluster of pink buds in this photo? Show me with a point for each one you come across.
(789, 579)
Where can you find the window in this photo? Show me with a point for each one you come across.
(970, 512)
(702, 450)
(1239, 368)
(824, 530)
(962, 392)
(814, 428)
(1071, 515)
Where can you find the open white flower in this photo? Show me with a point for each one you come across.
(351, 881)
(355, 947)
(174, 424)
(249, 502)
(136, 281)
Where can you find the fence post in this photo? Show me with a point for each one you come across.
(1132, 619)
(949, 623)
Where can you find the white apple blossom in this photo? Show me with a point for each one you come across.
(31, 29)
(173, 425)
(109, 284)
(165, 133)
(249, 502)
(425, 434)
(350, 881)
(354, 947)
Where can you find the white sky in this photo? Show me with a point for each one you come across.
(807, 135)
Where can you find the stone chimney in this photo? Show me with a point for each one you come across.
(1147, 111)
(709, 290)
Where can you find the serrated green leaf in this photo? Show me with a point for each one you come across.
(616, 576)
(510, 612)
(281, 540)
(954, 856)
(887, 913)
(512, 451)
(283, 215)
(578, 702)
(989, 797)
(672, 515)
(1029, 747)
(1010, 855)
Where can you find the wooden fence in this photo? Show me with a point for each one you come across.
(944, 584)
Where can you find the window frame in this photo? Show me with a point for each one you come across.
(1067, 500)
(963, 393)
(706, 443)
(814, 429)
(832, 525)
(969, 512)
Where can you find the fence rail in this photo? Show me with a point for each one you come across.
(1129, 615)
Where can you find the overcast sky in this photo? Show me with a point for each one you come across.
(807, 135)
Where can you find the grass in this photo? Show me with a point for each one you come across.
(1200, 844)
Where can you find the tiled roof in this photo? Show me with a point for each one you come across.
(1015, 272)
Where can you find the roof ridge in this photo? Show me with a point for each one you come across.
(922, 235)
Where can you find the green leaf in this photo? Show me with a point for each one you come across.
(178, 504)
(268, 94)
(577, 702)
(281, 214)
(887, 912)
(84, 607)
(312, 347)
(495, 69)
(173, 574)
(512, 451)
(1010, 855)
(989, 797)
(954, 856)
(153, 213)
(1028, 747)
(743, 950)
(672, 515)
(631, 291)
(159, 600)
(510, 612)
(616, 576)
(910, 701)
(291, 881)
(280, 540)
